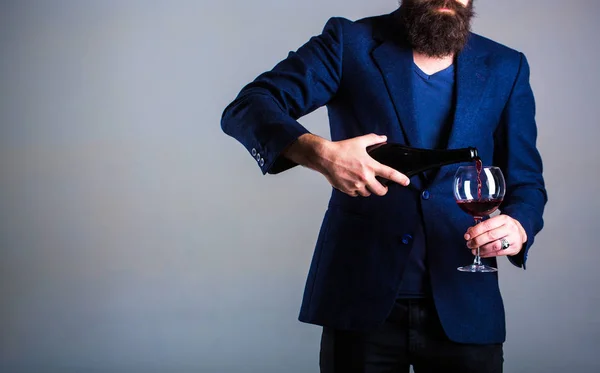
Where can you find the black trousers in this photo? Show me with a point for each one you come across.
(412, 335)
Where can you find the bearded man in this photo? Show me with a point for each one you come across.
(383, 282)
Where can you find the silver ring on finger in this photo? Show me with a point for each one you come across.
(504, 244)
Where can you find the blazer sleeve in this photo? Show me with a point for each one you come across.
(263, 117)
(516, 153)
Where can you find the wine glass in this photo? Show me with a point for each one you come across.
(478, 191)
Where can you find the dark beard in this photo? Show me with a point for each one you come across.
(434, 33)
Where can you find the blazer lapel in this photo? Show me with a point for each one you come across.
(472, 79)
(395, 63)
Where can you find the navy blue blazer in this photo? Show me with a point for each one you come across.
(361, 71)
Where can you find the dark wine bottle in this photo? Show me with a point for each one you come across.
(411, 161)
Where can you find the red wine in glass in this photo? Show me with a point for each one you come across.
(479, 208)
(478, 191)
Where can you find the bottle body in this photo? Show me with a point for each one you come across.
(412, 161)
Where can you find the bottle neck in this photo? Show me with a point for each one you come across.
(435, 158)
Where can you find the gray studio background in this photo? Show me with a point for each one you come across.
(136, 237)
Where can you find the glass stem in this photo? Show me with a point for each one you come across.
(477, 260)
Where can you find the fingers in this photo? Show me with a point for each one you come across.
(371, 139)
(494, 248)
(377, 188)
(366, 190)
(356, 173)
(363, 192)
(392, 174)
(361, 188)
(380, 169)
(486, 226)
(488, 236)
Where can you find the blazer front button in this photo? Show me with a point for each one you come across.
(425, 195)
(406, 239)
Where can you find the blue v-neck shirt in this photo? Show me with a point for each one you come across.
(433, 110)
(434, 102)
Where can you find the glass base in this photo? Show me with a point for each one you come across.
(477, 268)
